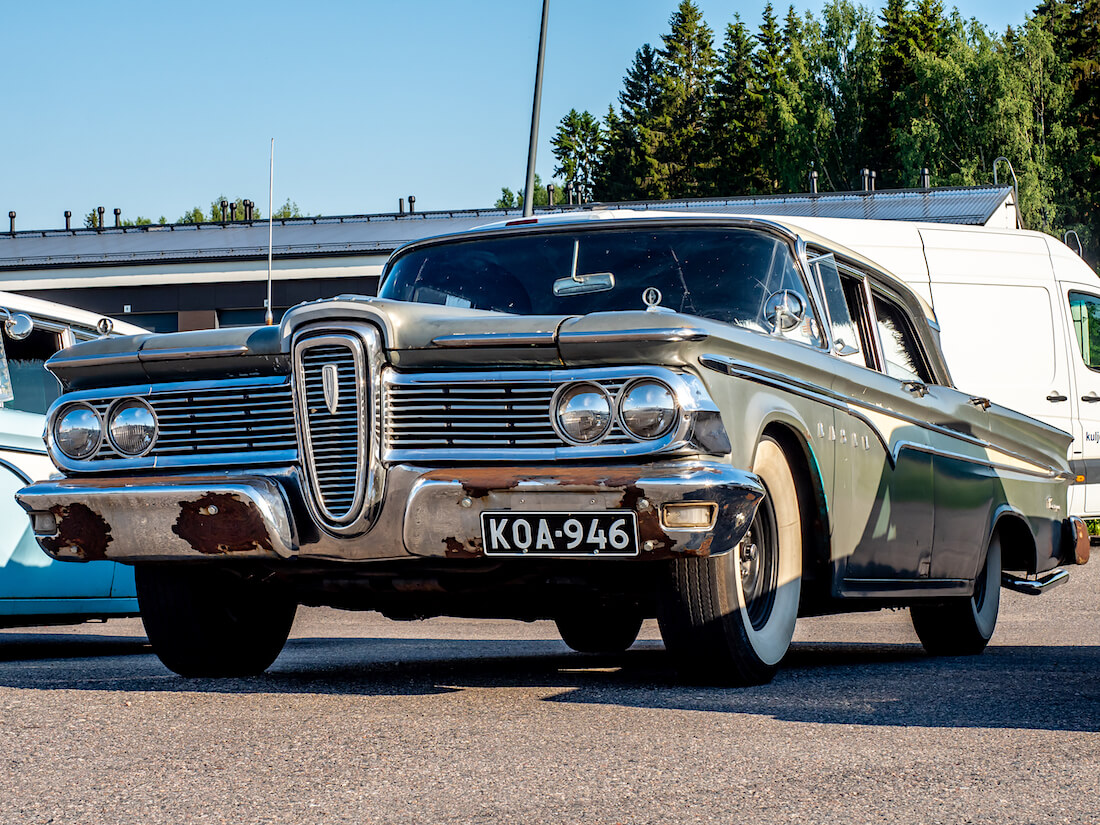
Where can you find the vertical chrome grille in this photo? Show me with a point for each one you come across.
(334, 421)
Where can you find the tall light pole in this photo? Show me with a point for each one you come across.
(529, 187)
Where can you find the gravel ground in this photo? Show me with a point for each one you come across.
(362, 720)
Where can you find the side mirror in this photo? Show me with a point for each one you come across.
(784, 310)
(17, 325)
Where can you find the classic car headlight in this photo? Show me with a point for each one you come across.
(582, 413)
(648, 409)
(78, 431)
(131, 426)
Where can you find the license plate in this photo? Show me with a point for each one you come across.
(604, 533)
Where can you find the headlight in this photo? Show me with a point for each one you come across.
(78, 432)
(648, 409)
(582, 413)
(131, 426)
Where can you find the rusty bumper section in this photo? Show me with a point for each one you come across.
(169, 518)
(443, 516)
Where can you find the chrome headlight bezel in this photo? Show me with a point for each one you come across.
(56, 438)
(116, 409)
(570, 390)
(674, 409)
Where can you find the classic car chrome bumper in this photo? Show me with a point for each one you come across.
(427, 512)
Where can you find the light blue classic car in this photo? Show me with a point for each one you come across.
(35, 589)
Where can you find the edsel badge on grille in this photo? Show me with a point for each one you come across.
(332, 389)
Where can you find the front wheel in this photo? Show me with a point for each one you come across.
(963, 626)
(204, 621)
(731, 617)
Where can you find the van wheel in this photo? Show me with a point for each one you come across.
(963, 626)
(204, 621)
(731, 617)
(599, 630)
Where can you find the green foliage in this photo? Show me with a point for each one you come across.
(234, 207)
(577, 144)
(895, 90)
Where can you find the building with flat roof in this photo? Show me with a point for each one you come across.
(196, 276)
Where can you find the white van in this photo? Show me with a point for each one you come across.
(1019, 316)
(35, 589)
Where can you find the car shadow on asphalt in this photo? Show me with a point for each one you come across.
(16, 647)
(1030, 687)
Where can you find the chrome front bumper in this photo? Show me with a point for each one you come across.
(427, 512)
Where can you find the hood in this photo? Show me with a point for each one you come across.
(416, 336)
(430, 335)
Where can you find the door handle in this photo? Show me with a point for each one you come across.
(984, 403)
(916, 387)
(1091, 398)
(1056, 396)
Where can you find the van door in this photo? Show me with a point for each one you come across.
(1082, 305)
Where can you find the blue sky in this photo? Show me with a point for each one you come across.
(156, 107)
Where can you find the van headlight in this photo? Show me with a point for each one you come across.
(582, 413)
(648, 409)
(78, 431)
(131, 426)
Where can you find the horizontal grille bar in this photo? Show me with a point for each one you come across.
(499, 414)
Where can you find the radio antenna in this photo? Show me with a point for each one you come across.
(269, 319)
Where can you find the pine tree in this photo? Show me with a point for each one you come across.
(736, 117)
(687, 63)
(577, 144)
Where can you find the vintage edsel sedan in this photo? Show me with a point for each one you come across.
(595, 418)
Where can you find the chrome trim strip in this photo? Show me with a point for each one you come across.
(670, 335)
(108, 359)
(730, 366)
(7, 448)
(495, 339)
(191, 352)
(18, 473)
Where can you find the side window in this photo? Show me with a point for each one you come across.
(845, 337)
(1084, 309)
(900, 349)
(33, 387)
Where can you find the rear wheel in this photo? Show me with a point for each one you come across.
(963, 626)
(731, 617)
(204, 621)
(600, 630)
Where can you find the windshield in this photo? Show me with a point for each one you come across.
(724, 273)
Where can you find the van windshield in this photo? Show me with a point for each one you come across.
(724, 273)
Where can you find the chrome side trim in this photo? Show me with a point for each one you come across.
(814, 392)
(670, 335)
(495, 339)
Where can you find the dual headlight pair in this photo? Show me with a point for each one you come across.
(131, 428)
(583, 412)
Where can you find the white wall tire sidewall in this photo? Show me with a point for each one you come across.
(770, 643)
(985, 620)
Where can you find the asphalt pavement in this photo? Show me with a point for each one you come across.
(363, 720)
